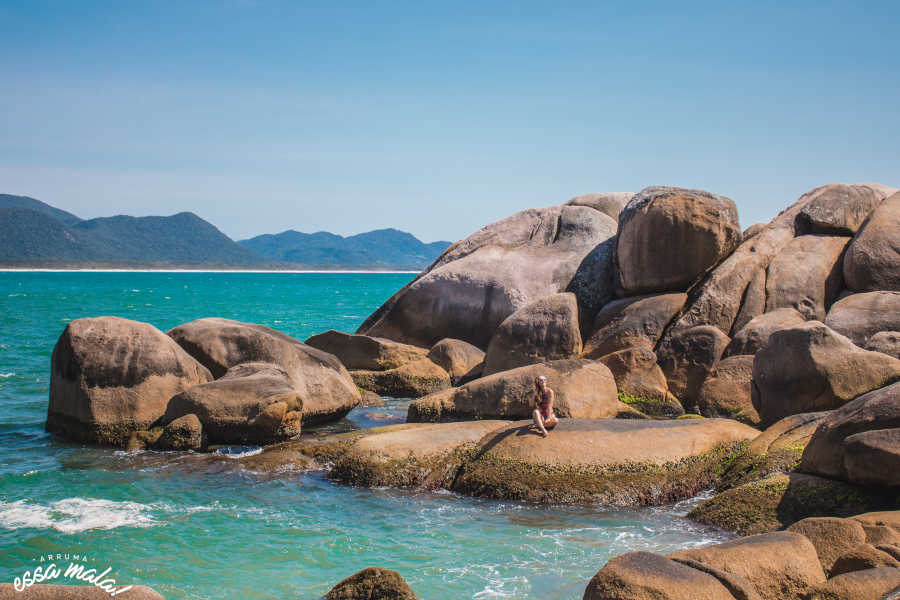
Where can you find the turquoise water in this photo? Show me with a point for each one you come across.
(192, 527)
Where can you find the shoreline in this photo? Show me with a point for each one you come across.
(286, 271)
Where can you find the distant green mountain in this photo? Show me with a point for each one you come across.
(10, 201)
(382, 247)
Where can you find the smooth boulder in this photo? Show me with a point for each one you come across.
(484, 278)
(412, 380)
(582, 388)
(870, 584)
(872, 261)
(806, 275)
(372, 583)
(637, 321)
(110, 377)
(183, 433)
(886, 342)
(365, 352)
(544, 330)
(755, 334)
(873, 457)
(610, 204)
(861, 316)
(840, 208)
(462, 361)
(641, 382)
(810, 367)
(689, 358)
(831, 536)
(726, 392)
(49, 591)
(669, 237)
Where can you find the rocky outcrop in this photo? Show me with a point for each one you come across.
(364, 352)
(325, 386)
(544, 330)
(46, 591)
(610, 204)
(583, 389)
(183, 433)
(606, 461)
(412, 380)
(886, 342)
(860, 316)
(810, 367)
(670, 237)
(831, 536)
(641, 382)
(252, 403)
(637, 321)
(689, 358)
(755, 335)
(839, 208)
(864, 557)
(372, 583)
(860, 585)
(481, 280)
(462, 361)
(873, 257)
(726, 392)
(806, 275)
(111, 376)
(872, 459)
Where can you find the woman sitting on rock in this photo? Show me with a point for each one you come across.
(544, 418)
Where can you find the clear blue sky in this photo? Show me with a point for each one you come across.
(438, 117)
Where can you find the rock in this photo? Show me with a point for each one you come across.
(873, 257)
(648, 576)
(111, 376)
(753, 230)
(412, 380)
(637, 321)
(831, 537)
(481, 280)
(776, 450)
(806, 275)
(45, 591)
(583, 389)
(670, 237)
(364, 352)
(726, 392)
(779, 565)
(641, 382)
(421, 455)
(781, 499)
(873, 457)
(810, 367)
(319, 378)
(541, 331)
(373, 583)
(253, 403)
(886, 342)
(860, 316)
(688, 359)
(885, 518)
(605, 461)
(184, 433)
(755, 334)
(609, 204)
(862, 557)
(462, 361)
(368, 399)
(860, 585)
(826, 452)
(838, 208)
(754, 301)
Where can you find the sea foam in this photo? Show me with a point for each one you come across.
(73, 515)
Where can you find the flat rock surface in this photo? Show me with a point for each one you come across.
(424, 439)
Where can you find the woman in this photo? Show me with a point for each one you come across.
(544, 418)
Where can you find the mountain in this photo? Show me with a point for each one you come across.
(382, 247)
(10, 201)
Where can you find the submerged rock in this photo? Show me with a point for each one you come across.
(364, 352)
(873, 257)
(110, 377)
(372, 583)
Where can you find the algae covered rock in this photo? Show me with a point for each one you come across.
(372, 583)
(183, 433)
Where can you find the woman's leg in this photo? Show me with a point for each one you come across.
(551, 421)
(539, 421)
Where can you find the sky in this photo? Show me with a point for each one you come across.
(438, 117)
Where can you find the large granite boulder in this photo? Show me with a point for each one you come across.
(637, 321)
(606, 461)
(364, 352)
(641, 382)
(869, 584)
(840, 208)
(462, 361)
(831, 536)
(873, 257)
(689, 358)
(412, 380)
(372, 583)
(755, 334)
(860, 316)
(806, 275)
(544, 330)
(810, 367)
(670, 237)
(49, 591)
(886, 342)
(834, 447)
(582, 388)
(111, 376)
(253, 403)
(481, 280)
(319, 378)
(610, 204)
(726, 392)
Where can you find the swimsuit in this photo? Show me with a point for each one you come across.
(545, 404)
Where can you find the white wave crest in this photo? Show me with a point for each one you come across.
(73, 515)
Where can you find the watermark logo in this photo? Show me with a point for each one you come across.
(57, 568)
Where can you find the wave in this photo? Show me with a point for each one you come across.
(73, 515)
(7, 375)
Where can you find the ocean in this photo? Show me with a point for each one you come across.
(196, 528)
